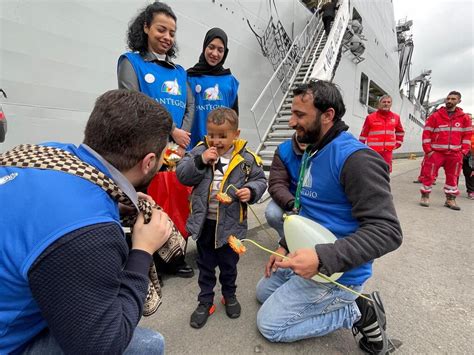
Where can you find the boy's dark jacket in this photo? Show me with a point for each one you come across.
(244, 170)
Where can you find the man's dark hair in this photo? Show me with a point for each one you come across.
(457, 93)
(325, 95)
(220, 115)
(124, 126)
(137, 39)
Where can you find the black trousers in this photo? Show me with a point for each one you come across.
(466, 169)
(327, 24)
(209, 258)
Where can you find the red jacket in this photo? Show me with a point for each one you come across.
(447, 134)
(382, 131)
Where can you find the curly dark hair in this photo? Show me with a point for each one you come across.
(137, 39)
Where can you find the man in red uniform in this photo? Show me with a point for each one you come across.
(446, 139)
(383, 130)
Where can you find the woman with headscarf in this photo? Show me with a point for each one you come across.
(211, 84)
(148, 67)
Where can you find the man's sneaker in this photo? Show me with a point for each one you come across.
(470, 195)
(425, 200)
(200, 315)
(451, 203)
(372, 325)
(232, 306)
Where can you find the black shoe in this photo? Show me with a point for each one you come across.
(200, 315)
(232, 306)
(416, 181)
(185, 271)
(372, 325)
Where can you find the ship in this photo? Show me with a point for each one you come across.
(56, 58)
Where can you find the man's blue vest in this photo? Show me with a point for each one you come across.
(323, 199)
(37, 207)
(166, 85)
(210, 92)
(292, 162)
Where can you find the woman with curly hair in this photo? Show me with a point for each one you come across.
(148, 67)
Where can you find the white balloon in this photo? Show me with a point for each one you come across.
(303, 233)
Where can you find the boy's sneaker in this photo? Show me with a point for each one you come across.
(232, 306)
(372, 325)
(200, 315)
(470, 195)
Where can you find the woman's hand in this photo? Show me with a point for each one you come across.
(181, 137)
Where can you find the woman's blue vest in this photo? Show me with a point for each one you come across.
(210, 92)
(323, 199)
(166, 85)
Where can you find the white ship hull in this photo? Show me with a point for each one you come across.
(56, 57)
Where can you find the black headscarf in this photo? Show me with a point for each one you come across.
(202, 67)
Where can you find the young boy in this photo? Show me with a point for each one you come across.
(212, 167)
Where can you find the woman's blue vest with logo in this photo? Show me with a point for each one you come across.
(166, 85)
(43, 206)
(210, 92)
(292, 162)
(323, 199)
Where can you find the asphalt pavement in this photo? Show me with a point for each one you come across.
(426, 286)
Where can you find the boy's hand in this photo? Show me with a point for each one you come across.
(210, 156)
(243, 194)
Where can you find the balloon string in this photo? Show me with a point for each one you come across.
(327, 278)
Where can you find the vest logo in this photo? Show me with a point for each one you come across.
(308, 178)
(8, 178)
(212, 93)
(149, 78)
(171, 87)
(457, 124)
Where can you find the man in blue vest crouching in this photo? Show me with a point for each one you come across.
(68, 280)
(345, 187)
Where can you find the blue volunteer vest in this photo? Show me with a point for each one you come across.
(210, 92)
(292, 161)
(323, 199)
(37, 208)
(167, 86)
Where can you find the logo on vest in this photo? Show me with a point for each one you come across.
(457, 124)
(171, 87)
(212, 93)
(8, 178)
(308, 184)
(149, 78)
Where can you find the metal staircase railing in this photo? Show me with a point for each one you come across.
(272, 109)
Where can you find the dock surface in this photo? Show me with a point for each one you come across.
(426, 286)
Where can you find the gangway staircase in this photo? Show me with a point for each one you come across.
(272, 110)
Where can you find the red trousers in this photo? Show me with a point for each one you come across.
(387, 156)
(452, 164)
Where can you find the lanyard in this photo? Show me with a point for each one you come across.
(304, 167)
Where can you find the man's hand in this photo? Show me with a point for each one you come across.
(244, 194)
(181, 137)
(210, 156)
(271, 267)
(151, 237)
(303, 262)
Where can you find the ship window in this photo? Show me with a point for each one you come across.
(364, 88)
(375, 92)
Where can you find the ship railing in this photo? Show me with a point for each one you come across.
(268, 104)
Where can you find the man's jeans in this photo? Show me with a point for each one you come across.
(144, 341)
(295, 308)
(274, 216)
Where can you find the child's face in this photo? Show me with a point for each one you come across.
(221, 136)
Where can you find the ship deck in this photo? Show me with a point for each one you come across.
(425, 285)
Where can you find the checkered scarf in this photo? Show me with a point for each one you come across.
(42, 157)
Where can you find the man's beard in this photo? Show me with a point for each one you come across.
(143, 184)
(311, 135)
